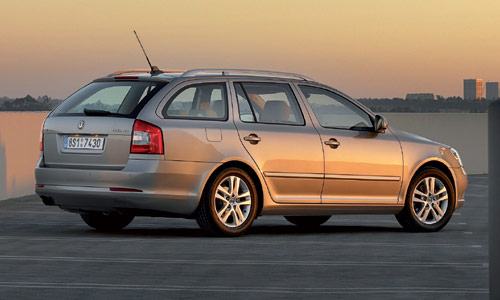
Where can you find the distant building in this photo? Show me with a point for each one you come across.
(420, 96)
(473, 89)
(492, 90)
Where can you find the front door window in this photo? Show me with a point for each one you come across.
(334, 111)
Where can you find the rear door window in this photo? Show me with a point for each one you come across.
(272, 103)
(120, 98)
(206, 101)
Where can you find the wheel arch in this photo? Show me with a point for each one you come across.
(241, 165)
(438, 164)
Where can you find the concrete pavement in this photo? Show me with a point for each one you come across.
(46, 253)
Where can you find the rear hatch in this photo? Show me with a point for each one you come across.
(92, 129)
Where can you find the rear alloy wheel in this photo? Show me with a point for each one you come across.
(230, 205)
(307, 221)
(106, 222)
(430, 202)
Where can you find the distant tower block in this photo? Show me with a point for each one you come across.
(492, 90)
(473, 89)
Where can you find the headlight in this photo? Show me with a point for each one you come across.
(457, 156)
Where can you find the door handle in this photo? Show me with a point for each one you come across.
(252, 138)
(333, 143)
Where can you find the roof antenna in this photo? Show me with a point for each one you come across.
(154, 69)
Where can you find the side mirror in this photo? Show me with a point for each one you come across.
(380, 124)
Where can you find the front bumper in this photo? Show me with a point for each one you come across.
(461, 185)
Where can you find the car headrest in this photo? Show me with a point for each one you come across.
(275, 111)
(217, 107)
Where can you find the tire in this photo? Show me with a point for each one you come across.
(307, 221)
(221, 212)
(106, 222)
(414, 216)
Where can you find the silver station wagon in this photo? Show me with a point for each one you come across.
(226, 146)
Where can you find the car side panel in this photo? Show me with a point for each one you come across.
(200, 140)
(204, 141)
(365, 168)
(289, 156)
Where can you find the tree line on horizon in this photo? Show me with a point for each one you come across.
(28, 103)
(439, 105)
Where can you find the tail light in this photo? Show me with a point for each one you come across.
(146, 138)
(41, 135)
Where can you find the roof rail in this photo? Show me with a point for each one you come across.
(225, 72)
(143, 71)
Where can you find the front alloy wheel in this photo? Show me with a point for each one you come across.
(430, 201)
(230, 206)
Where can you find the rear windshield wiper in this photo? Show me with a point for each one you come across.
(99, 112)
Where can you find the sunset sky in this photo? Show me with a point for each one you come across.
(379, 48)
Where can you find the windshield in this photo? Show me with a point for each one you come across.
(124, 98)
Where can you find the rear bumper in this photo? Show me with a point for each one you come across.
(166, 186)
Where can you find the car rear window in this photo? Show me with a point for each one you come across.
(124, 98)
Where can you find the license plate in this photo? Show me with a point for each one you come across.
(83, 142)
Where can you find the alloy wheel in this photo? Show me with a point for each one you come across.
(232, 201)
(430, 200)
